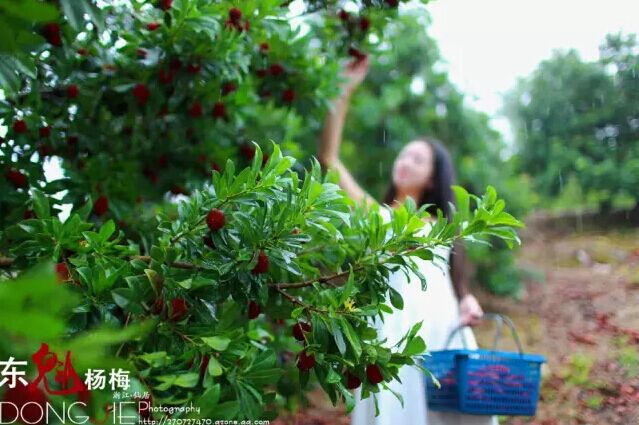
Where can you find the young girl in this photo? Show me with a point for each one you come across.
(423, 170)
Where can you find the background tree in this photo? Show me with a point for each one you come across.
(577, 128)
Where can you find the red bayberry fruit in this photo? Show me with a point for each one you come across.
(28, 214)
(299, 328)
(82, 52)
(373, 374)
(364, 24)
(178, 190)
(357, 54)
(208, 241)
(163, 160)
(175, 64)
(205, 363)
(343, 15)
(261, 73)
(20, 126)
(141, 53)
(352, 381)
(73, 91)
(18, 179)
(141, 93)
(235, 14)
(51, 33)
(288, 96)
(247, 150)
(264, 159)
(63, 272)
(45, 131)
(178, 309)
(215, 219)
(165, 4)
(228, 88)
(30, 400)
(165, 76)
(276, 69)
(101, 205)
(253, 309)
(215, 166)
(152, 26)
(305, 361)
(262, 263)
(219, 110)
(196, 110)
(158, 306)
(264, 47)
(150, 174)
(193, 68)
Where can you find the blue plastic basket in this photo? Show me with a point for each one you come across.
(484, 382)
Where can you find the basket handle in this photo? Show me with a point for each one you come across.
(500, 319)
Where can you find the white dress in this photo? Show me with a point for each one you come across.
(439, 309)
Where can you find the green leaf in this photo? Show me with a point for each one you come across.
(218, 343)
(352, 337)
(396, 299)
(214, 367)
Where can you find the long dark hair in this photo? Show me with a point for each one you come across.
(440, 193)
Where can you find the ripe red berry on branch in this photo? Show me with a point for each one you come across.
(179, 309)
(235, 14)
(262, 263)
(364, 23)
(20, 127)
(141, 93)
(215, 219)
(374, 374)
(51, 32)
(152, 26)
(264, 47)
(62, 270)
(352, 381)
(73, 91)
(253, 309)
(165, 76)
(299, 328)
(101, 205)
(193, 68)
(141, 53)
(165, 4)
(247, 150)
(45, 131)
(276, 69)
(16, 178)
(228, 87)
(196, 110)
(288, 95)
(343, 15)
(219, 110)
(305, 361)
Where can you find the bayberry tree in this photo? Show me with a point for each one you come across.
(264, 276)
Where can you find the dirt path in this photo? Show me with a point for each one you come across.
(583, 316)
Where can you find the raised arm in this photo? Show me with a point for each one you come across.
(331, 138)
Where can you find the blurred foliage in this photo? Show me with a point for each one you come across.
(577, 127)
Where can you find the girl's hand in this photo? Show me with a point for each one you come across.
(470, 310)
(355, 72)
